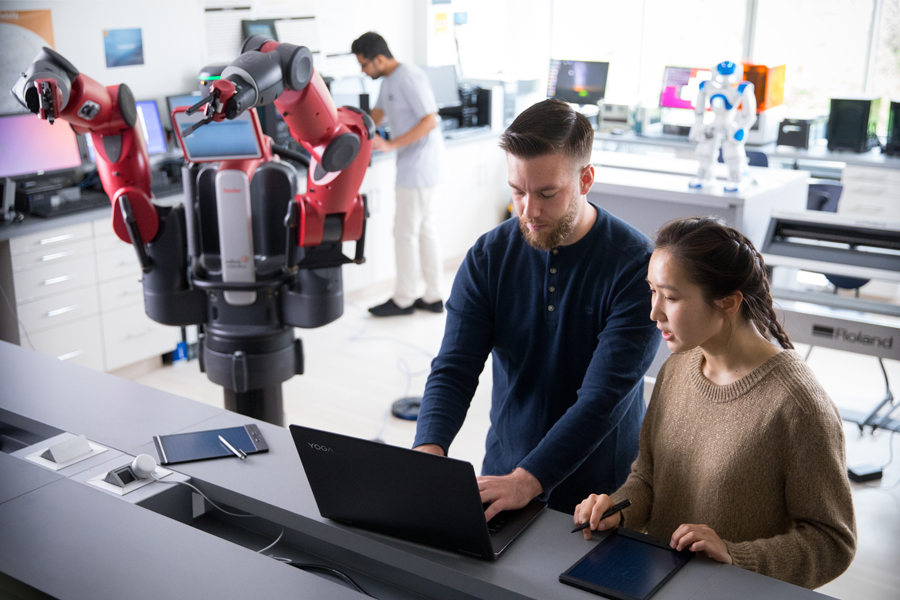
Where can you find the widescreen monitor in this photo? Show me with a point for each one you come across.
(29, 145)
(577, 81)
(445, 86)
(681, 85)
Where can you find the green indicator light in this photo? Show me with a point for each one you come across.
(583, 93)
(210, 78)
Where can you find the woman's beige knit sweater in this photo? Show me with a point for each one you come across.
(760, 461)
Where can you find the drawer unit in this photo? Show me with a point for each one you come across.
(47, 241)
(79, 343)
(117, 293)
(130, 336)
(56, 310)
(52, 255)
(119, 262)
(870, 192)
(110, 241)
(55, 278)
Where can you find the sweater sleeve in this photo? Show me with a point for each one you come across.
(466, 345)
(638, 488)
(625, 348)
(821, 541)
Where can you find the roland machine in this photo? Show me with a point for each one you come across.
(848, 246)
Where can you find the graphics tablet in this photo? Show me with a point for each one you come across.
(627, 565)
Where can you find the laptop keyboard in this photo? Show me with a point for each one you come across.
(498, 522)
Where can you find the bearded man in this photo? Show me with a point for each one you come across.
(559, 298)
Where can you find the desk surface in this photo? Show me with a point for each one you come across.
(75, 541)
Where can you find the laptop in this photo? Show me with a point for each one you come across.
(423, 498)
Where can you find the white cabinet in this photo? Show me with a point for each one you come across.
(870, 192)
(79, 298)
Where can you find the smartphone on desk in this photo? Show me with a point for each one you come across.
(202, 445)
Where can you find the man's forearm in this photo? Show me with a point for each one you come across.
(420, 130)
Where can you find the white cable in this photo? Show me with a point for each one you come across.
(205, 497)
(278, 539)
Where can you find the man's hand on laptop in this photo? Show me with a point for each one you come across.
(508, 492)
(430, 449)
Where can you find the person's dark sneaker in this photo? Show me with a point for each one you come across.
(390, 309)
(435, 307)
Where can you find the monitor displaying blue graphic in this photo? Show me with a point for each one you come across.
(152, 126)
(226, 140)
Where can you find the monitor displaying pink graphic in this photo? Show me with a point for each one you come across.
(29, 145)
(681, 85)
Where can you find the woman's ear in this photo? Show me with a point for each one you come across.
(731, 303)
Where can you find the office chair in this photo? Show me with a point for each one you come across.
(755, 158)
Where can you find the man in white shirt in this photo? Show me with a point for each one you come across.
(407, 100)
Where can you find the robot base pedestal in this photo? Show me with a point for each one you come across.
(265, 404)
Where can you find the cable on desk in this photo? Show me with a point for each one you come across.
(330, 571)
(205, 497)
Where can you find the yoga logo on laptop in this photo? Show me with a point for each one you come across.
(320, 448)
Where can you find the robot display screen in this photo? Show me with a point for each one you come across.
(183, 100)
(577, 81)
(227, 140)
(681, 85)
(29, 145)
(443, 82)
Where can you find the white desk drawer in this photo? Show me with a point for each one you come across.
(56, 310)
(855, 202)
(102, 243)
(51, 255)
(48, 240)
(55, 278)
(80, 343)
(103, 227)
(130, 336)
(120, 262)
(873, 175)
(118, 293)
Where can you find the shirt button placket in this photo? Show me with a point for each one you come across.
(552, 294)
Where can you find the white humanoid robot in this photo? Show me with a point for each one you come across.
(728, 129)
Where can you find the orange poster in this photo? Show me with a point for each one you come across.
(38, 21)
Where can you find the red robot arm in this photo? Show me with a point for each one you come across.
(52, 88)
(338, 139)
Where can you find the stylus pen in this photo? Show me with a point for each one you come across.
(610, 512)
(239, 453)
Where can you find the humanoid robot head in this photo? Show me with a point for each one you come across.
(725, 71)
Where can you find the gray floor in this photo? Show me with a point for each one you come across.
(356, 367)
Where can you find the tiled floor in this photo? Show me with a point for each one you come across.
(356, 367)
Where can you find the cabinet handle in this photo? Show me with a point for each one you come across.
(58, 238)
(71, 355)
(62, 311)
(47, 257)
(131, 336)
(54, 280)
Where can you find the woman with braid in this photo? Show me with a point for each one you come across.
(741, 450)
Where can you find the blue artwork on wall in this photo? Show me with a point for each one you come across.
(123, 47)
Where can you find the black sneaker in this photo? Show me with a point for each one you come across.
(435, 307)
(390, 309)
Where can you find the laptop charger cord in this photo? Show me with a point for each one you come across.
(309, 567)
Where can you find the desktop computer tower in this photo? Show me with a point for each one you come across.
(852, 122)
(893, 133)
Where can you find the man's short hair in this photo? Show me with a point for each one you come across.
(370, 45)
(550, 127)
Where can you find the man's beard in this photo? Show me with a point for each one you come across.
(547, 240)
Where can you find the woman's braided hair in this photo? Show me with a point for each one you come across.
(721, 260)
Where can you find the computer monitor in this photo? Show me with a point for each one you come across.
(29, 146)
(234, 139)
(445, 86)
(152, 127)
(681, 85)
(577, 81)
(263, 27)
(177, 100)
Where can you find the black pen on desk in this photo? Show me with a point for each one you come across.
(239, 453)
(609, 512)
